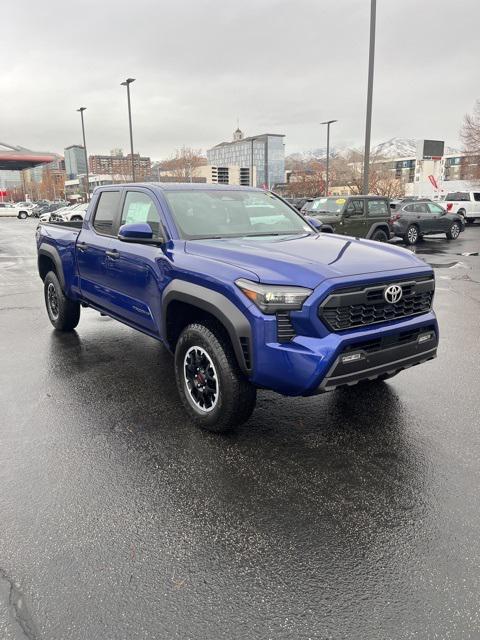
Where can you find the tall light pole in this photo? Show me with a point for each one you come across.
(368, 126)
(328, 123)
(81, 110)
(127, 84)
(251, 162)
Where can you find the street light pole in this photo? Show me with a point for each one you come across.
(251, 163)
(81, 110)
(127, 84)
(328, 123)
(368, 126)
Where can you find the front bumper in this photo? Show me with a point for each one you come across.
(359, 364)
(309, 365)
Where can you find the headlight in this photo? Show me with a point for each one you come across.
(270, 298)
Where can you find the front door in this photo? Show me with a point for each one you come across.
(139, 272)
(354, 222)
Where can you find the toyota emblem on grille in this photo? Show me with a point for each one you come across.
(393, 293)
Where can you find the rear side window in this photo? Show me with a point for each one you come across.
(459, 196)
(476, 196)
(377, 208)
(106, 211)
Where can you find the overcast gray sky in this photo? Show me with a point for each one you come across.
(281, 66)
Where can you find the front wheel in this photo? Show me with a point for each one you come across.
(64, 313)
(215, 393)
(454, 231)
(412, 235)
(23, 215)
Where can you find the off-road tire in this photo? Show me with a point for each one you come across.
(64, 314)
(236, 397)
(412, 235)
(379, 235)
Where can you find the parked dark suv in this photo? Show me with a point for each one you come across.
(358, 216)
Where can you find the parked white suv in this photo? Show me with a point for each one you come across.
(74, 213)
(465, 203)
(14, 211)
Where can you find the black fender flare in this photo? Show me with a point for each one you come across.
(327, 228)
(52, 253)
(378, 225)
(235, 322)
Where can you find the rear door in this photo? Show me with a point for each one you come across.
(476, 203)
(378, 210)
(95, 247)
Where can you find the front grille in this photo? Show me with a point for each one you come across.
(285, 330)
(363, 306)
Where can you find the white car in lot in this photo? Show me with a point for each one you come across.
(75, 213)
(9, 210)
(465, 203)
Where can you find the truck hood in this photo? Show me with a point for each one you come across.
(306, 261)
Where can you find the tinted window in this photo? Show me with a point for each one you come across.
(409, 208)
(355, 208)
(435, 208)
(377, 208)
(459, 196)
(476, 197)
(138, 207)
(106, 210)
(420, 208)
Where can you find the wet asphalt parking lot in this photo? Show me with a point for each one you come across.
(350, 515)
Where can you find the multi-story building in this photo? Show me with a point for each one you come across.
(75, 162)
(120, 165)
(264, 152)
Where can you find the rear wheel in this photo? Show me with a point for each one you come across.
(411, 236)
(215, 393)
(23, 215)
(454, 231)
(64, 313)
(76, 218)
(380, 236)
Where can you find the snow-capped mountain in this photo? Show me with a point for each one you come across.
(393, 148)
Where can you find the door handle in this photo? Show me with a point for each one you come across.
(114, 254)
(82, 246)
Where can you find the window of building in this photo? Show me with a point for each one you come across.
(139, 207)
(106, 211)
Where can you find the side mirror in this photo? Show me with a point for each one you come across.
(139, 232)
(314, 222)
(346, 214)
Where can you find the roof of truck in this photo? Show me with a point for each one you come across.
(181, 186)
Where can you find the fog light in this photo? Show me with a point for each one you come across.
(352, 357)
(424, 337)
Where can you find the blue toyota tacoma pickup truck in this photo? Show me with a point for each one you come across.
(242, 290)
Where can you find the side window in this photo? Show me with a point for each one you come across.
(435, 208)
(476, 196)
(106, 210)
(355, 208)
(410, 208)
(138, 207)
(421, 207)
(377, 208)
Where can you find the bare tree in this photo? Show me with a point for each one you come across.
(470, 131)
(184, 163)
(306, 178)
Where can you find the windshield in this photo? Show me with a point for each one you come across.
(223, 214)
(333, 206)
